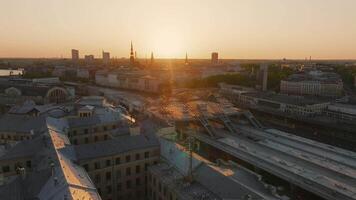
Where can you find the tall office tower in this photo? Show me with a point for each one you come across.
(262, 77)
(89, 58)
(214, 58)
(132, 56)
(75, 55)
(106, 57)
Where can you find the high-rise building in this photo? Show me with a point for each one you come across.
(261, 77)
(89, 58)
(132, 56)
(106, 57)
(75, 55)
(214, 57)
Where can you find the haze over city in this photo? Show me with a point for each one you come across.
(254, 29)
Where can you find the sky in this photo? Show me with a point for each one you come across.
(240, 29)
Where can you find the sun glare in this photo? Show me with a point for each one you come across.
(168, 44)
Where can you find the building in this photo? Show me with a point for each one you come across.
(89, 59)
(114, 167)
(344, 112)
(169, 179)
(132, 80)
(214, 58)
(316, 83)
(13, 91)
(132, 56)
(75, 55)
(106, 57)
(44, 168)
(296, 166)
(262, 77)
(118, 166)
(274, 103)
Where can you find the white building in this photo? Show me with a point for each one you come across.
(315, 83)
(127, 80)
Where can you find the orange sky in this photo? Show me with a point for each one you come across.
(239, 29)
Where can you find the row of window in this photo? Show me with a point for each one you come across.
(94, 130)
(161, 189)
(109, 162)
(13, 137)
(128, 172)
(7, 168)
(86, 139)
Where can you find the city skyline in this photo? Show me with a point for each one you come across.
(236, 29)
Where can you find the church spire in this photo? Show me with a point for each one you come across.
(132, 58)
(186, 59)
(152, 58)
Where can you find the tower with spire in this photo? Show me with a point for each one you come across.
(152, 59)
(186, 59)
(132, 56)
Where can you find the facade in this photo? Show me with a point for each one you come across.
(129, 80)
(106, 58)
(314, 83)
(295, 105)
(44, 168)
(345, 112)
(40, 91)
(215, 58)
(118, 167)
(107, 168)
(75, 55)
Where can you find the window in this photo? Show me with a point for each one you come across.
(113, 126)
(86, 131)
(97, 178)
(108, 189)
(74, 132)
(137, 156)
(128, 158)
(138, 181)
(128, 184)
(138, 169)
(147, 154)
(86, 140)
(95, 129)
(105, 128)
(105, 137)
(97, 165)
(119, 186)
(108, 176)
(108, 163)
(28, 164)
(128, 171)
(75, 141)
(86, 167)
(118, 174)
(146, 166)
(96, 138)
(117, 161)
(5, 169)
